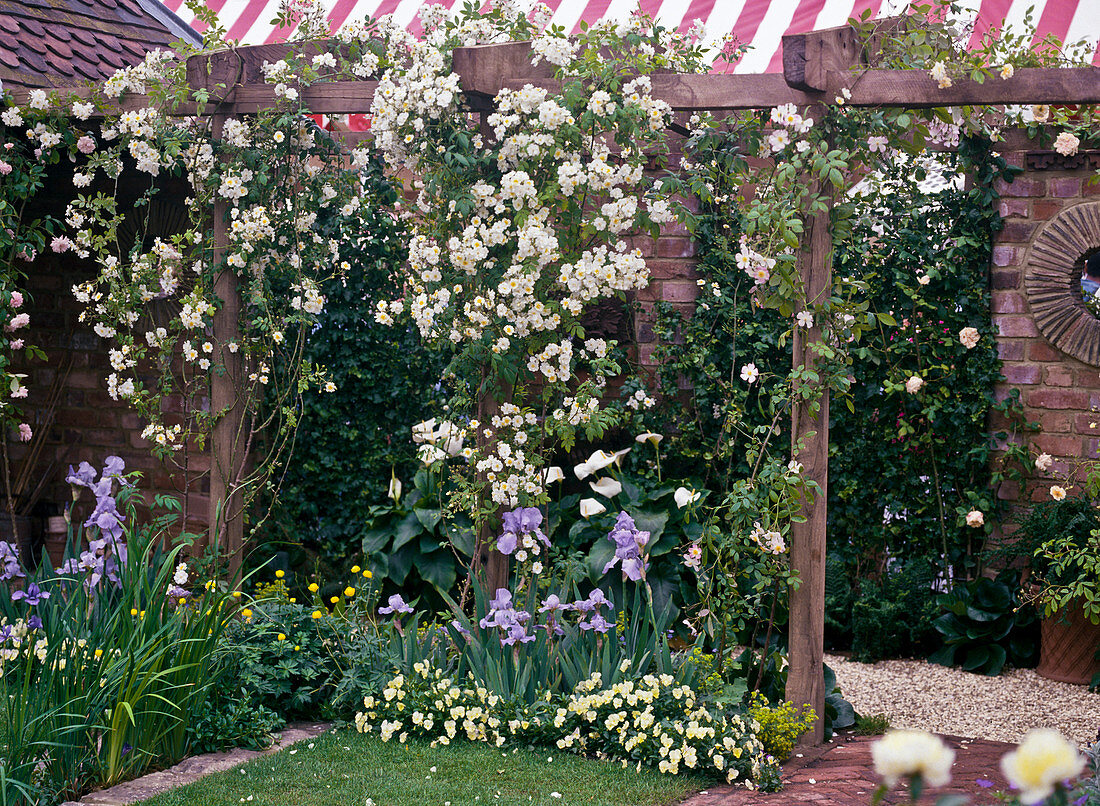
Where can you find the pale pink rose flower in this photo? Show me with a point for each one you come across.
(1066, 144)
(16, 299)
(5, 168)
(975, 518)
(18, 321)
(86, 144)
(25, 432)
(61, 244)
(17, 344)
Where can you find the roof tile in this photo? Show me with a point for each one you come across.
(60, 42)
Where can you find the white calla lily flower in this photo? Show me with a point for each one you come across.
(552, 474)
(607, 487)
(395, 488)
(590, 507)
(683, 496)
(617, 456)
(430, 454)
(424, 431)
(649, 436)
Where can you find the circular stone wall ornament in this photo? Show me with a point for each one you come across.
(1053, 281)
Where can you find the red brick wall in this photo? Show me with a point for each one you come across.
(87, 425)
(1059, 392)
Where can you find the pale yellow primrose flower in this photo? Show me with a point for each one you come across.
(902, 753)
(1043, 759)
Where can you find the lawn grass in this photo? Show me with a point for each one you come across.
(347, 768)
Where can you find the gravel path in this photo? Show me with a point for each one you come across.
(918, 694)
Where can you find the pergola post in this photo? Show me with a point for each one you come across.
(810, 425)
(226, 514)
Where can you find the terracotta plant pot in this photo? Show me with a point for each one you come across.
(1069, 644)
(57, 539)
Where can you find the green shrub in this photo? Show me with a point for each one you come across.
(893, 617)
(872, 725)
(985, 626)
(780, 725)
(230, 719)
(350, 441)
(301, 665)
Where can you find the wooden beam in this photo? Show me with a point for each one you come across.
(130, 102)
(226, 518)
(809, 58)
(336, 98)
(806, 640)
(484, 70)
(910, 89)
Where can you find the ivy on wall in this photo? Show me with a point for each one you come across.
(352, 441)
(910, 460)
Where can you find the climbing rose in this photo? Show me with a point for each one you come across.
(1057, 493)
(913, 385)
(1044, 461)
(975, 518)
(1043, 760)
(968, 336)
(1066, 144)
(902, 753)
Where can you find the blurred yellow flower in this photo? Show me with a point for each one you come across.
(367, 575)
(355, 569)
(280, 574)
(246, 613)
(316, 614)
(334, 599)
(133, 611)
(99, 653)
(349, 592)
(1042, 761)
(236, 594)
(282, 637)
(313, 587)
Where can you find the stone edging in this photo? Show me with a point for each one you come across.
(194, 768)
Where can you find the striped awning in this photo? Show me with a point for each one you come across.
(760, 24)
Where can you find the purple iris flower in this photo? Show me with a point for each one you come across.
(596, 622)
(506, 618)
(34, 622)
(33, 595)
(397, 605)
(9, 562)
(552, 604)
(519, 522)
(458, 626)
(115, 467)
(629, 541)
(83, 476)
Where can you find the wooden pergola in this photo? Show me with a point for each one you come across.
(817, 67)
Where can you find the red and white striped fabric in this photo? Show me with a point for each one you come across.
(759, 23)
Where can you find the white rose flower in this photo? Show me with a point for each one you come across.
(975, 518)
(1043, 759)
(913, 385)
(903, 753)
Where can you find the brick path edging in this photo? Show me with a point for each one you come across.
(194, 768)
(840, 773)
